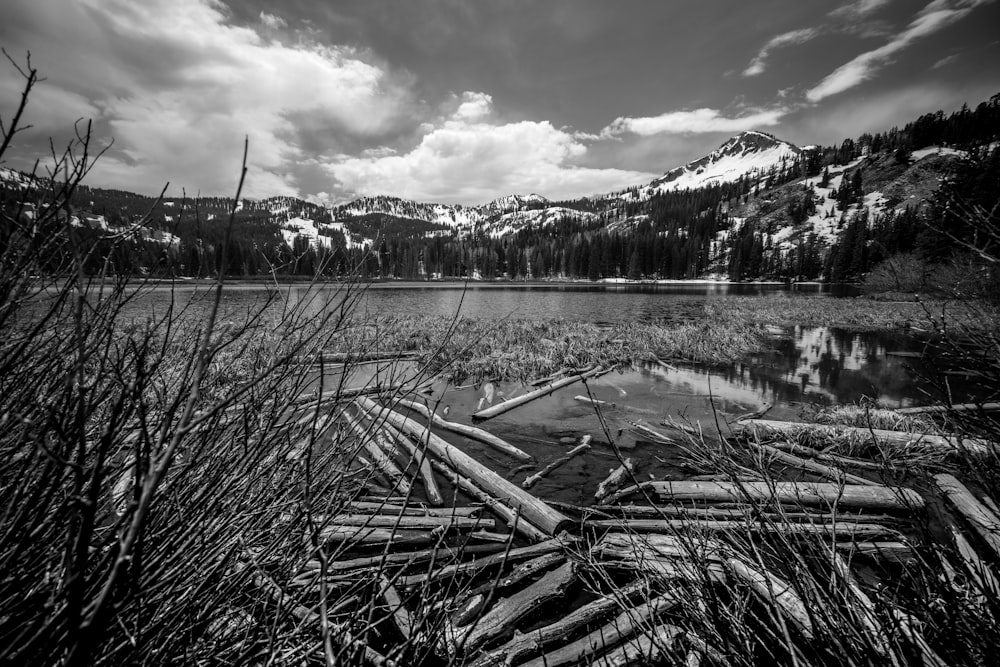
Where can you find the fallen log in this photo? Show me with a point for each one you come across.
(367, 507)
(978, 571)
(431, 488)
(618, 476)
(772, 589)
(400, 615)
(536, 511)
(614, 406)
(859, 603)
(835, 459)
(505, 512)
(479, 564)
(816, 468)
(841, 529)
(894, 552)
(649, 648)
(405, 560)
(958, 407)
(624, 625)
(880, 436)
(978, 516)
(471, 432)
(802, 493)
(524, 644)
(359, 535)
(747, 512)
(531, 480)
(506, 613)
(381, 458)
(470, 608)
(650, 433)
(523, 571)
(506, 406)
(404, 522)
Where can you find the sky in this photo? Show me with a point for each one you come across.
(458, 101)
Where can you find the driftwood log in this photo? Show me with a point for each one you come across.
(880, 436)
(506, 613)
(773, 589)
(531, 480)
(801, 493)
(470, 432)
(624, 625)
(618, 476)
(535, 510)
(814, 467)
(978, 516)
(958, 407)
(839, 530)
(476, 565)
(506, 406)
(524, 644)
(431, 488)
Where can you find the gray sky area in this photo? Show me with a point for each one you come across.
(461, 102)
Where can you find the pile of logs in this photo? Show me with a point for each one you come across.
(473, 578)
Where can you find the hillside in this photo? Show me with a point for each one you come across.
(755, 207)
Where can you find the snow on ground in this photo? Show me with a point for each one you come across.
(308, 229)
(934, 150)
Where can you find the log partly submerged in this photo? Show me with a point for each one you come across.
(506, 406)
(803, 493)
(618, 476)
(978, 516)
(535, 510)
(880, 436)
(531, 480)
(471, 432)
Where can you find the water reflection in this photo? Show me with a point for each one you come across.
(820, 365)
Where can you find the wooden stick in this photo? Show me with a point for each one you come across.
(978, 570)
(804, 493)
(894, 552)
(618, 476)
(471, 432)
(816, 468)
(506, 406)
(881, 436)
(623, 626)
(747, 512)
(507, 612)
(608, 404)
(773, 589)
(651, 434)
(648, 648)
(979, 517)
(524, 644)
(836, 459)
(405, 560)
(535, 510)
(365, 536)
(531, 480)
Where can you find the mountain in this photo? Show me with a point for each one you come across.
(750, 155)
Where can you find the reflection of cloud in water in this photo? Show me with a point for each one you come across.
(815, 365)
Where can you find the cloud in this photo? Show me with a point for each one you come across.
(178, 86)
(757, 66)
(932, 18)
(859, 9)
(693, 122)
(271, 21)
(467, 158)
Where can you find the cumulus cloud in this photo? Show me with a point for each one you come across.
(933, 17)
(758, 64)
(467, 158)
(271, 21)
(178, 86)
(695, 121)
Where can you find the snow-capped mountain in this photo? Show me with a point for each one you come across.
(751, 154)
